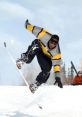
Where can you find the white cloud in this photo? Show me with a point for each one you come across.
(72, 52)
(75, 45)
(12, 44)
(14, 10)
(62, 17)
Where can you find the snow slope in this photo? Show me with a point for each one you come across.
(48, 101)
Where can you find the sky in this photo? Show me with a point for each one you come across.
(62, 17)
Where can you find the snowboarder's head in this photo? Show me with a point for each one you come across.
(53, 41)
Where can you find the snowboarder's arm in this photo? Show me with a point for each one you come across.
(56, 60)
(57, 68)
(37, 31)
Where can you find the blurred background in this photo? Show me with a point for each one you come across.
(62, 17)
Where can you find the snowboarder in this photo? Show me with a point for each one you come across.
(46, 48)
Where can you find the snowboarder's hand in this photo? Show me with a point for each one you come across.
(26, 23)
(58, 81)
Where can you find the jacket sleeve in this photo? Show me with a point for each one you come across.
(56, 61)
(57, 65)
(37, 31)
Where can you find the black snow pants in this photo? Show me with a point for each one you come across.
(43, 60)
(45, 65)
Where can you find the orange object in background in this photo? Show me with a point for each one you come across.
(77, 80)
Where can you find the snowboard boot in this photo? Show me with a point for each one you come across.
(34, 86)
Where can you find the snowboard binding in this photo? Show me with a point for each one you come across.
(19, 63)
(34, 86)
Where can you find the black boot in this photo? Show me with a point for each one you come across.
(32, 50)
(34, 86)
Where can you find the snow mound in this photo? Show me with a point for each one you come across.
(48, 101)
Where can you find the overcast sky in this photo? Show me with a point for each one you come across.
(62, 17)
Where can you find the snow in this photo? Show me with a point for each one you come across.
(48, 101)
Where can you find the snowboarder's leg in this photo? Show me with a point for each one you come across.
(33, 50)
(43, 77)
(29, 55)
(45, 64)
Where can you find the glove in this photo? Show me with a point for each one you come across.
(58, 81)
(26, 23)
